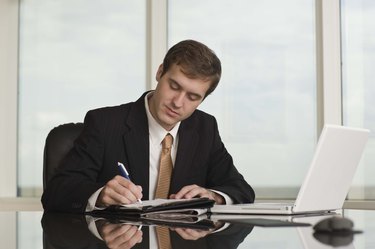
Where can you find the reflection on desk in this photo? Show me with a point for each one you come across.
(71, 231)
(308, 239)
(23, 230)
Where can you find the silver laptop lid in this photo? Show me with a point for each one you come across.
(332, 169)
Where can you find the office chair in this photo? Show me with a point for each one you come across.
(59, 141)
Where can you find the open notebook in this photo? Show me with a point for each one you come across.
(328, 179)
(159, 207)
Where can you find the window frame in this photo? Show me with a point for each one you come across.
(8, 97)
(328, 63)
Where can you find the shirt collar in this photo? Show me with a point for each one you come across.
(156, 131)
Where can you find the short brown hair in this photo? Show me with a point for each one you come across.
(196, 60)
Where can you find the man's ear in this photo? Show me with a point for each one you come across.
(159, 72)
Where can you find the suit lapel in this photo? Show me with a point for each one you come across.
(187, 144)
(136, 144)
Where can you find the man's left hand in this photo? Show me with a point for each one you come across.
(192, 234)
(192, 191)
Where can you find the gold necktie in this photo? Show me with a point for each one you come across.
(162, 189)
(164, 241)
(165, 168)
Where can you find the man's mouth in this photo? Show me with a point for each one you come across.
(171, 112)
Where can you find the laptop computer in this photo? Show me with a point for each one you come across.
(327, 181)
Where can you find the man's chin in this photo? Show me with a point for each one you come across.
(169, 123)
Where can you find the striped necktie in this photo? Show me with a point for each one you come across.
(165, 168)
(162, 189)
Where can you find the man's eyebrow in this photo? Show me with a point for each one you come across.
(173, 81)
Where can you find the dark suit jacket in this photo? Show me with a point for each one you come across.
(120, 134)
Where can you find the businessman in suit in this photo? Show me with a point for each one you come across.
(132, 134)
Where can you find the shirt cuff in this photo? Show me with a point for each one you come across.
(228, 200)
(92, 201)
(91, 224)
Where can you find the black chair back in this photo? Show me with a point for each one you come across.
(58, 143)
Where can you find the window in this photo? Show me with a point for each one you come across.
(266, 101)
(358, 56)
(74, 56)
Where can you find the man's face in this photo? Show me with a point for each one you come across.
(176, 96)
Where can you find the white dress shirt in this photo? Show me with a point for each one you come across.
(156, 136)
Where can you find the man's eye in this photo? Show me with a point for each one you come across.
(174, 86)
(193, 97)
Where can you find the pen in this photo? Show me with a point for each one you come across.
(125, 174)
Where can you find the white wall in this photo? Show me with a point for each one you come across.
(8, 96)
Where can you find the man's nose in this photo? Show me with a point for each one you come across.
(179, 99)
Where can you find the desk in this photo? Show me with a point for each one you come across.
(23, 229)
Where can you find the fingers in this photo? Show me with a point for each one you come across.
(119, 191)
(121, 236)
(191, 234)
(191, 191)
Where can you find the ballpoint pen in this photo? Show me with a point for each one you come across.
(125, 174)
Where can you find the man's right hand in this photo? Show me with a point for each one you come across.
(119, 236)
(117, 191)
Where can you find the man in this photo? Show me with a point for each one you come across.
(133, 133)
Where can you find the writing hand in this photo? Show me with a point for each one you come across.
(191, 191)
(119, 190)
(119, 236)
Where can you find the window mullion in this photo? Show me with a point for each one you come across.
(156, 37)
(8, 97)
(328, 37)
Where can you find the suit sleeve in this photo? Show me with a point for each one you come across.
(223, 175)
(76, 178)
